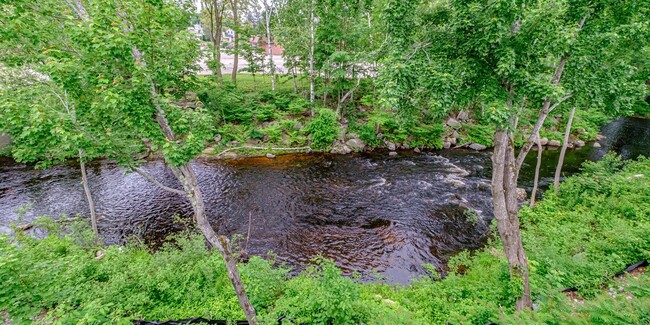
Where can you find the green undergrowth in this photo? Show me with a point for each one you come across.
(598, 223)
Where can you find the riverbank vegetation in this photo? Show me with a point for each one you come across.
(596, 225)
(117, 80)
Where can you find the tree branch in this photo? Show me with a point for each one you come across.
(261, 148)
(159, 184)
(565, 97)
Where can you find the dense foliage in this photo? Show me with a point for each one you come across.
(598, 224)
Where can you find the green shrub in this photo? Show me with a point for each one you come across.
(323, 128)
(264, 112)
(427, 136)
(226, 103)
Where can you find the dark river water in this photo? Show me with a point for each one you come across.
(368, 212)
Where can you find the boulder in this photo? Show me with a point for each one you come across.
(391, 146)
(208, 151)
(597, 145)
(463, 116)
(270, 155)
(446, 145)
(452, 122)
(570, 145)
(416, 150)
(543, 141)
(554, 143)
(600, 137)
(452, 140)
(455, 134)
(521, 194)
(217, 138)
(340, 149)
(342, 132)
(351, 136)
(392, 154)
(355, 144)
(229, 155)
(298, 126)
(580, 143)
(477, 146)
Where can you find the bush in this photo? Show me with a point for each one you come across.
(323, 128)
(226, 103)
(264, 112)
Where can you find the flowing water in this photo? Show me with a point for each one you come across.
(368, 212)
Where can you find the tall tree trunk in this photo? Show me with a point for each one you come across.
(537, 167)
(565, 144)
(89, 197)
(293, 77)
(235, 61)
(268, 44)
(311, 58)
(504, 199)
(185, 174)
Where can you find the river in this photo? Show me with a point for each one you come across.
(370, 213)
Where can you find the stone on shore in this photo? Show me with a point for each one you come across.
(477, 146)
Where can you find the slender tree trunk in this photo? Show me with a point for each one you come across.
(537, 167)
(565, 144)
(235, 61)
(293, 77)
(89, 197)
(504, 199)
(185, 174)
(311, 58)
(268, 44)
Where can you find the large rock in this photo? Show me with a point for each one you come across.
(355, 144)
(543, 141)
(580, 143)
(342, 132)
(208, 151)
(229, 155)
(340, 149)
(463, 116)
(392, 153)
(446, 145)
(217, 138)
(521, 194)
(477, 146)
(351, 136)
(597, 145)
(298, 126)
(391, 146)
(600, 137)
(452, 122)
(416, 150)
(452, 140)
(554, 143)
(270, 155)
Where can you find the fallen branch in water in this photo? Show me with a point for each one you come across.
(262, 148)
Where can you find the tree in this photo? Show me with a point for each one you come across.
(131, 62)
(506, 60)
(268, 12)
(213, 18)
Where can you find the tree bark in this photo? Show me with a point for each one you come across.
(504, 199)
(293, 77)
(565, 144)
(537, 167)
(268, 44)
(311, 58)
(89, 197)
(185, 174)
(235, 61)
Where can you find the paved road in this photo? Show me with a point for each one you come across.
(227, 61)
